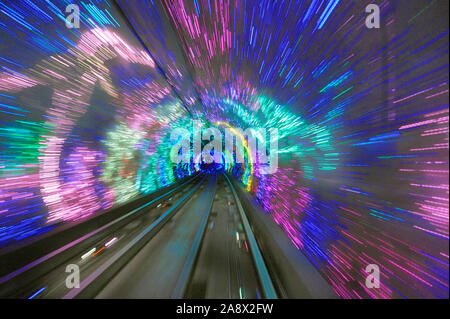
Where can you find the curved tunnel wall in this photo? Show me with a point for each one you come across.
(84, 118)
(362, 116)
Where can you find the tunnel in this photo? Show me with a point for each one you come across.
(224, 149)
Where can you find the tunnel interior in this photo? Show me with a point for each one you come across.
(88, 111)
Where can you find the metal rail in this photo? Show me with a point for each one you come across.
(148, 233)
(264, 277)
(105, 227)
(188, 268)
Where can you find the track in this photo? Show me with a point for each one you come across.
(229, 262)
(207, 251)
(194, 241)
(112, 244)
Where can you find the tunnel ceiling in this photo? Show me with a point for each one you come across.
(362, 116)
